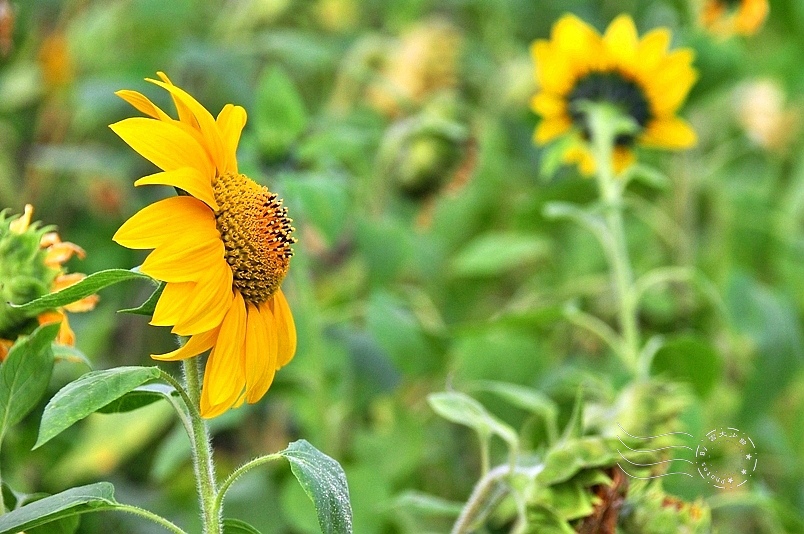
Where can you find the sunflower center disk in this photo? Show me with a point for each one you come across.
(615, 89)
(255, 230)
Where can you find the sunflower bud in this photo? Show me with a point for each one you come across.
(24, 275)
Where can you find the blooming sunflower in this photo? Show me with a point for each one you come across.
(31, 261)
(727, 17)
(641, 77)
(223, 247)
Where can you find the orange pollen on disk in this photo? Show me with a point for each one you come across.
(255, 229)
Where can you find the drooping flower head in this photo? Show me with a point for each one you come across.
(223, 248)
(728, 17)
(645, 80)
(31, 265)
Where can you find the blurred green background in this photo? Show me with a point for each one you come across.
(399, 135)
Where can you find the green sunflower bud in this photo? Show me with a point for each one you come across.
(23, 273)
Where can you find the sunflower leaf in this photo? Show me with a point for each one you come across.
(92, 498)
(86, 287)
(464, 410)
(139, 397)
(147, 307)
(25, 374)
(324, 481)
(90, 393)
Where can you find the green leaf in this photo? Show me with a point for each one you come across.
(324, 481)
(89, 394)
(565, 461)
(147, 307)
(574, 428)
(527, 399)
(65, 525)
(139, 397)
(690, 359)
(65, 353)
(465, 410)
(236, 526)
(279, 112)
(86, 287)
(424, 504)
(25, 374)
(495, 253)
(91, 498)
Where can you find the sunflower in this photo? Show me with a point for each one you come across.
(641, 77)
(33, 260)
(222, 246)
(727, 17)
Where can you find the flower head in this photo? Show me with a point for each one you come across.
(31, 265)
(641, 77)
(223, 247)
(728, 17)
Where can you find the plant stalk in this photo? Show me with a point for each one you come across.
(203, 464)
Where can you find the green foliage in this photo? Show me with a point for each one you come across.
(24, 375)
(92, 392)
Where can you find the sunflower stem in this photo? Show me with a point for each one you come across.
(202, 451)
(606, 123)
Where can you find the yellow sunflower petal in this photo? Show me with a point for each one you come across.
(165, 220)
(143, 104)
(185, 259)
(548, 105)
(261, 352)
(553, 72)
(551, 128)
(172, 303)
(621, 41)
(206, 123)
(196, 345)
(164, 144)
(231, 121)
(285, 328)
(189, 179)
(224, 377)
(185, 114)
(623, 158)
(652, 48)
(577, 40)
(210, 303)
(579, 155)
(671, 133)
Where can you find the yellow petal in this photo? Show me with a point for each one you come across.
(164, 144)
(164, 221)
(551, 128)
(672, 133)
(261, 351)
(184, 260)
(206, 124)
(652, 48)
(621, 41)
(285, 329)
(58, 253)
(210, 303)
(143, 104)
(623, 158)
(577, 40)
(554, 73)
(195, 345)
(231, 121)
(172, 303)
(185, 115)
(548, 105)
(579, 155)
(224, 378)
(189, 179)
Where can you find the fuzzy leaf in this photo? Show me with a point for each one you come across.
(465, 410)
(147, 307)
(324, 481)
(25, 374)
(74, 501)
(89, 394)
(86, 287)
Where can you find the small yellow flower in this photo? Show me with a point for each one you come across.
(728, 17)
(640, 76)
(49, 260)
(223, 248)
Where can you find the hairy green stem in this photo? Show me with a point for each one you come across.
(478, 501)
(237, 473)
(136, 510)
(202, 450)
(605, 125)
